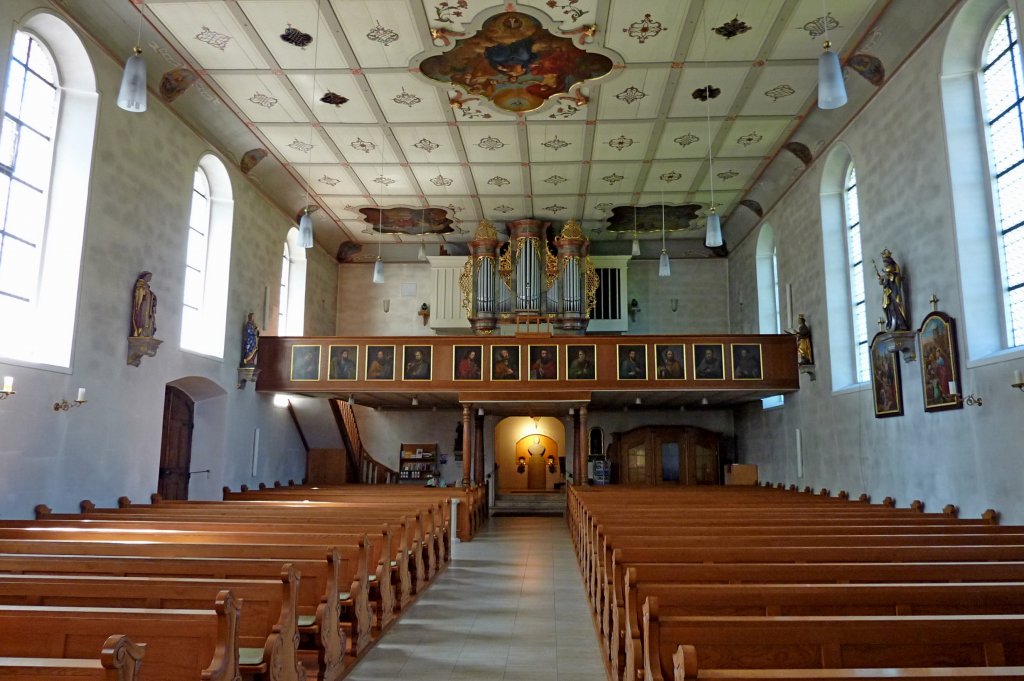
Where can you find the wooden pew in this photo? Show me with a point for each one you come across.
(830, 642)
(930, 673)
(119, 660)
(180, 644)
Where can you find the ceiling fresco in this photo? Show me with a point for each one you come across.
(410, 221)
(649, 219)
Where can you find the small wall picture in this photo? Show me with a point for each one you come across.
(940, 369)
(305, 363)
(504, 362)
(707, 362)
(632, 362)
(380, 362)
(670, 362)
(579, 362)
(543, 363)
(886, 385)
(466, 366)
(416, 362)
(746, 362)
(342, 362)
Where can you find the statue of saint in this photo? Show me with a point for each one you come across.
(804, 351)
(894, 300)
(143, 307)
(250, 342)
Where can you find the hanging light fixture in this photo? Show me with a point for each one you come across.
(306, 227)
(713, 229)
(132, 95)
(378, 266)
(831, 88)
(306, 221)
(636, 242)
(664, 269)
(422, 253)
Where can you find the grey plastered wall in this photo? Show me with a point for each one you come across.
(971, 457)
(137, 220)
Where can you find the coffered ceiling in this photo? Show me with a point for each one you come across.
(332, 90)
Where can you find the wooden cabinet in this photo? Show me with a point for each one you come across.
(418, 462)
(665, 455)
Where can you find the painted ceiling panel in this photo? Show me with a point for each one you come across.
(505, 208)
(552, 143)
(299, 144)
(427, 144)
(355, 110)
(498, 180)
(211, 34)
(490, 143)
(671, 178)
(731, 174)
(613, 178)
(599, 207)
(695, 80)
(556, 207)
(727, 16)
(330, 179)
(555, 178)
(362, 145)
(262, 98)
(804, 34)
(382, 33)
(687, 138)
(405, 98)
(344, 207)
(646, 32)
(753, 136)
(391, 180)
(567, 14)
(273, 18)
(781, 90)
(439, 180)
(615, 141)
(637, 93)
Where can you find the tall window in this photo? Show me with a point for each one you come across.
(207, 260)
(46, 140)
(292, 304)
(768, 314)
(282, 310)
(1003, 94)
(855, 260)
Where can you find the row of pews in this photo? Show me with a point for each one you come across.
(758, 583)
(280, 584)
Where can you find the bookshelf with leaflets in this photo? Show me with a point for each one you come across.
(418, 462)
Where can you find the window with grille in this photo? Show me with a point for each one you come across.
(855, 260)
(195, 262)
(1003, 86)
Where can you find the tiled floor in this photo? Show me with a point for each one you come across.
(510, 606)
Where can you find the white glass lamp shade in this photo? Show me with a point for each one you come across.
(132, 96)
(636, 247)
(422, 254)
(713, 235)
(831, 88)
(664, 269)
(305, 230)
(378, 271)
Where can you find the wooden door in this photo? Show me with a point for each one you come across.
(176, 445)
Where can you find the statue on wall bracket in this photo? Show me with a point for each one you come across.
(247, 370)
(804, 347)
(141, 342)
(897, 331)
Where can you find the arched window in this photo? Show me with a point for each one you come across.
(768, 313)
(282, 307)
(855, 265)
(291, 314)
(207, 260)
(46, 142)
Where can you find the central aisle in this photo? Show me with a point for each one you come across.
(510, 606)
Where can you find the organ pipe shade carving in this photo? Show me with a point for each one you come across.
(529, 276)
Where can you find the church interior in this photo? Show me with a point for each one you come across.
(515, 260)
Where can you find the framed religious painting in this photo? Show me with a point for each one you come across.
(416, 362)
(466, 365)
(746, 362)
(342, 362)
(886, 383)
(305, 363)
(505, 363)
(543, 362)
(380, 363)
(940, 368)
(580, 364)
(632, 361)
(708, 361)
(670, 362)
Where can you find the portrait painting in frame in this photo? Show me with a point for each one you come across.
(886, 383)
(505, 363)
(632, 362)
(580, 362)
(670, 362)
(543, 362)
(746, 362)
(466, 364)
(305, 363)
(940, 367)
(342, 362)
(416, 362)
(380, 363)
(708, 362)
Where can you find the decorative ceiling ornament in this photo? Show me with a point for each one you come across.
(441, 181)
(567, 109)
(250, 159)
(801, 151)
(454, 209)
(555, 208)
(406, 98)
(556, 180)
(726, 175)
(753, 206)
(176, 82)
(871, 68)
(648, 218)
(644, 29)
(412, 221)
(444, 11)
(384, 36)
(426, 145)
(504, 209)
(780, 91)
(498, 181)
(572, 230)
(555, 144)
(670, 176)
(732, 28)
(613, 178)
(705, 93)
(294, 36)
(568, 8)
(385, 181)
(749, 138)
(362, 145)
(348, 250)
(630, 95)
(213, 39)
(333, 98)
(818, 26)
(260, 99)
(515, 63)
(603, 207)
(621, 142)
(686, 140)
(329, 181)
(490, 143)
(299, 145)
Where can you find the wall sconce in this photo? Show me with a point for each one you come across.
(1018, 381)
(8, 389)
(634, 307)
(675, 304)
(552, 468)
(387, 305)
(424, 313)
(64, 405)
(521, 464)
(971, 400)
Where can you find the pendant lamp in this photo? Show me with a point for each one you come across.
(421, 255)
(664, 269)
(713, 229)
(306, 222)
(636, 242)
(831, 88)
(305, 229)
(713, 233)
(132, 95)
(378, 271)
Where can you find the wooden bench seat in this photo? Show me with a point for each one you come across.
(929, 673)
(180, 644)
(119, 660)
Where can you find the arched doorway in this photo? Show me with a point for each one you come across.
(538, 455)
(192, 437)
(530, 454)
(176, 444)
